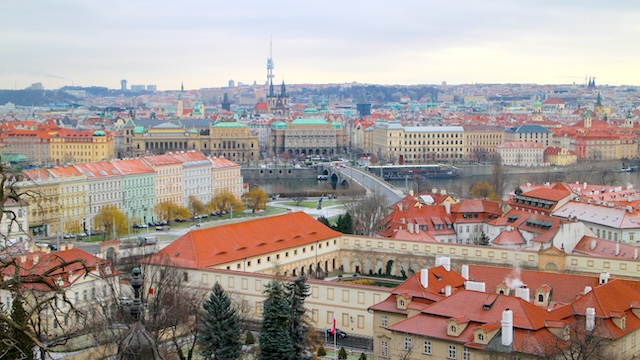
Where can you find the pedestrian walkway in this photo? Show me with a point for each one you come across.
(326, 211)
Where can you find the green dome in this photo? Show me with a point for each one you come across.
(279, 125)
(99, 133)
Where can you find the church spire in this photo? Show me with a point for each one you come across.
(182, 86)
(283, 90)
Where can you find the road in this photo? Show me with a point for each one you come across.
(373, 183)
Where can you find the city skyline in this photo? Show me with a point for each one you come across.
(206, 45)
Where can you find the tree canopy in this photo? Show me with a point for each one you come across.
(110, 218)
(219, 337)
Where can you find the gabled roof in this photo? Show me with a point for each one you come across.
(509, 237)
(210, 247)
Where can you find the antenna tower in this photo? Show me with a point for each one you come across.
(270, 63)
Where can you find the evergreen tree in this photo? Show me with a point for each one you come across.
(275, 335)
(219, 337)
(249, 339)
(345, 223)
(297, 292)
(363, 356)
(324, 220)
(21, 344)
(484, 239)
(342, 354)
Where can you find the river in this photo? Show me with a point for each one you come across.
(460, 186)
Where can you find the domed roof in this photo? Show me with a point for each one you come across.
(537, 103)
(193, 131)
(99, 133)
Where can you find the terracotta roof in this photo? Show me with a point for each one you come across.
(208, 247)
(512, 237)
(132, 166)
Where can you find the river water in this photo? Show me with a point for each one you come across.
(460, 186)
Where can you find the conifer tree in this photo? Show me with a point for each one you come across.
(21, 345)
(345, 223)
(275, 335)
(219, 337)
(297, 292)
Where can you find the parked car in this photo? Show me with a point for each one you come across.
(147, 240)
(163, 228)
(339, 333)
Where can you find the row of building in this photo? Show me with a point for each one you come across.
(67, 198)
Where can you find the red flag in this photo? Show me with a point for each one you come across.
(333, 326)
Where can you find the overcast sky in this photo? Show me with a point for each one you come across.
(207, 43)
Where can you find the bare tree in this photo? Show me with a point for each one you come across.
(368, 213)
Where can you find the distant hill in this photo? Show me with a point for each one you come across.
(35, 97)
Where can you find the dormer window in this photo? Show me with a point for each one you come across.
(501, 292)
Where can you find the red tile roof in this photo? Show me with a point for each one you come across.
(209, 247)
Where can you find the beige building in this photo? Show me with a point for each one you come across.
(44, 205)
(418, 144)
(309, 134)
(481, 141)
(521, 153)
(14, 226)
(229, 139)
(168, 180)
(226, 176)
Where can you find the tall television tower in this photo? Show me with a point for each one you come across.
(270, 63)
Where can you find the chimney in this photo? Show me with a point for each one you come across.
(447, 263)
(604, 278)
(507, 327)
(434, 191)
(399, 206)
(69, 246)
(23, 258)
(584, 185)
(35, 259)
(635, 253)
(443, 192)
(593, 244)
(424, 278)
(586, 290)
(464, 271)
(447, 290)
(617, 249)
(411, 192)
(474, 286)
(410, 227)
(62, 247)
(416, 228)
(591, 319)
(523, 293)
(447, 207)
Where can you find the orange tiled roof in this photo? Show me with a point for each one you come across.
(209, 247)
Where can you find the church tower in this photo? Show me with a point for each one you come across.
(537, 111)
(599, 109)
(587, 118)
(179, 106)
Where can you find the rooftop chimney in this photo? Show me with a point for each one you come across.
(474, 286)
(443, 192)
(411, 192)
(591, 319)
(593, 244)
(424, 278)
(587, 289)
(446, 262)
(584, 185)
(447, 207)
(507, 327)
(447, 290)
(523, 293)
(35, 259)
(410, 227)
(604, 278)
(434, 191)
(464, 271)
(617, 249)
(635, 253)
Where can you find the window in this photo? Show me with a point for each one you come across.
(426, 348)
(384, 349)
(453, 329)
(452, 352)
(480, 337)
(407, 343)
(465, 354)
(185, 276)
(383, 320)
(401, 302)
(540, 297)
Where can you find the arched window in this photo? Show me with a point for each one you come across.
(540, 297)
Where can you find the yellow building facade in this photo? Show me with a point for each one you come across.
(70, 146)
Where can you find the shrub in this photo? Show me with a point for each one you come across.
(322, 351)
(249, 339)
(363, 356)
(342, 354)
